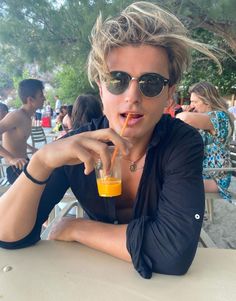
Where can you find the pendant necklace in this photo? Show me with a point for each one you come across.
(133, 164)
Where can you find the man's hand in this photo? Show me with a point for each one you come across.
(18, 162)
(84, 148)
(62, 230)
(107, 238)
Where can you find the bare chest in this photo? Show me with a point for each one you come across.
(20, 133)
(130, 184)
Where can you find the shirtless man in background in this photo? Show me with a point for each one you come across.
(16, 127)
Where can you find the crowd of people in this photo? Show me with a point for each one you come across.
(156, 222)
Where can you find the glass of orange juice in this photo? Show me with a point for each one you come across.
(109, 182)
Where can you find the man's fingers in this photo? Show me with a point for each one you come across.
(106, 135)
(92, 151)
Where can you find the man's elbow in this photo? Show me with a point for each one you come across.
(11, 242)
(177, 265)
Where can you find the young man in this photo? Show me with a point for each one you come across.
(136, 59)
(15, 128)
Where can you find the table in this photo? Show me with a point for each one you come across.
(69, 271)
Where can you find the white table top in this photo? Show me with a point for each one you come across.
(69, 271)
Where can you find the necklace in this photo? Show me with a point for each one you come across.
(133, 166)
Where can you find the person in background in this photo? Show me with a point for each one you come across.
(66, 121)
(3, 112)
(57, 104)
(215, 124)
(15, 127)
(48, 110)
(86, 107)
(38, 117)
(136, 59)
(173, 108)
(58, 127)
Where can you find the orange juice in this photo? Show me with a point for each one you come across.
(109, 186)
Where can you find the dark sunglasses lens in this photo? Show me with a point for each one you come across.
(118, 83)
(151, 84)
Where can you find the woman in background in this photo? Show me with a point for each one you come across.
(66, 122)
(210, 115)
(174, 107)
(85, 108)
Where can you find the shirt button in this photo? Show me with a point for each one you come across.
(197, 216)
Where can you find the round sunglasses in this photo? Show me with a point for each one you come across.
(150, 84)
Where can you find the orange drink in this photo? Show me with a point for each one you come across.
(109, 186)
(109, 181)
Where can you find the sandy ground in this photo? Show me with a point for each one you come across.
(223, 228)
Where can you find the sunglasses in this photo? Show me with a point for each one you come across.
(150, 84)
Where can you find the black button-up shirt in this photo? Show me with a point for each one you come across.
(163, 233)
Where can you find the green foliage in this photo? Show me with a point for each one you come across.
(5, 84)
(204, 69)
(71, 82)
(55, 33)
(49, 95)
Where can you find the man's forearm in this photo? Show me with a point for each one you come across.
(5, 154)
(107, 238)
(34, 149)
(19, 205)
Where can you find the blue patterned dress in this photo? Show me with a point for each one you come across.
(216, 151)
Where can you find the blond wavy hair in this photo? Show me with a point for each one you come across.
(209, 95)
(143, 23)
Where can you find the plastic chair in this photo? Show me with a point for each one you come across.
(4, 184)
(59, 215)
(38, 135)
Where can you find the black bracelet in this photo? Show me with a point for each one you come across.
(33, 179)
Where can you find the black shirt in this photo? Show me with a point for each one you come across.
(163, 233)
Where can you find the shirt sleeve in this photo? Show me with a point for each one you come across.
(52, 195)
(166, 242)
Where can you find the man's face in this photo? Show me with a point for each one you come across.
(147, 111)
(197, 104)
(38, 100)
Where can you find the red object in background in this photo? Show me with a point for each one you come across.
(46, 122)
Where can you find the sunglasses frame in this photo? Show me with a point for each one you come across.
(162, 79)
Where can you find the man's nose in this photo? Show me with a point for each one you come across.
(133, 93)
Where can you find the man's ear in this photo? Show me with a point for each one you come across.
(29, 99)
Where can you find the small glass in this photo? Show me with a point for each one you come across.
(109, 182)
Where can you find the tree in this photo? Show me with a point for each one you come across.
(216, 16)
(54, 34)
(72, 81)
(204, 69)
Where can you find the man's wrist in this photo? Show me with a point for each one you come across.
(38, 169)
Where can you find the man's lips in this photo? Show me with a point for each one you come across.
(132, 115)
(134, 118)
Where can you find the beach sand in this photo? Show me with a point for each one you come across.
(223, 228)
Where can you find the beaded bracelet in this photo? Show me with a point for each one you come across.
(33, 179)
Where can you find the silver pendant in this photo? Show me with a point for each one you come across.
(133, 167)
